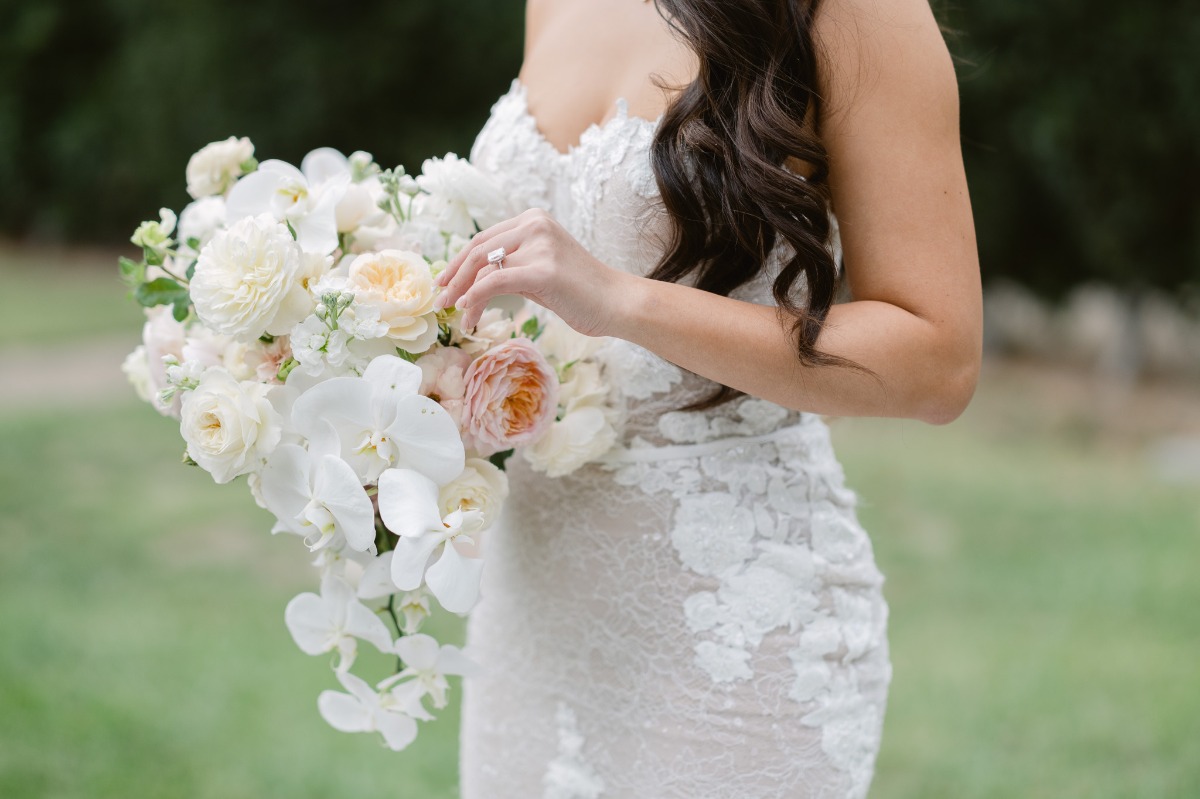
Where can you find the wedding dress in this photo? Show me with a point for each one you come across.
(700, 616)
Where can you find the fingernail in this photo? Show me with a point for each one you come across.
(439, 302)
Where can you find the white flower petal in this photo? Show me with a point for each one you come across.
(408, 503)
(323, 164)
(393, 378)
(308, 620)
(285, 486)
(398, 730)
(343, 712)
(454, 580)
(362, 623)
(252, 195)
(427, 439)
(337, 487)
(411, 556)
(418, 651)
(452, 660)
(376, 581)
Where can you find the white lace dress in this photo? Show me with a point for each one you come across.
(698, 618)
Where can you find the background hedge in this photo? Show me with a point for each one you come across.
(1081, 120)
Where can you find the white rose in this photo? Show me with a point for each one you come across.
(481, 486)
(579, 437)
(400, 285)
(494, 326)
(253, 278)
(562, 343)
(201, 220)
(230, 427)
(583, 387)
(459, 196)
(216, 166)
(137, 370)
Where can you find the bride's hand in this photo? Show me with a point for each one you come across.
(543, 263)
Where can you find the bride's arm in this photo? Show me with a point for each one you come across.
(891, 129)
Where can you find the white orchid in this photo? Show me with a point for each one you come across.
(334, 620)
(426, 664)
(316, 494)
(307, 200)
(408, 505)
(365, 710)
(382, 421)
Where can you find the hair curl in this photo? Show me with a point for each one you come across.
(721, 160)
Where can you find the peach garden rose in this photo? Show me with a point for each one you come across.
(511, 397)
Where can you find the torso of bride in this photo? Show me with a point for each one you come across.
(581, 56)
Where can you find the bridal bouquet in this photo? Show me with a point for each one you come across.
(290, 327)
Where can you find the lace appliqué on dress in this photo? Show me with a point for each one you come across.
(569, 776)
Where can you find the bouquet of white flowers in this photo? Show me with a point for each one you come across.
(291, 329)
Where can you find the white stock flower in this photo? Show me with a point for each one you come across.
(334, 620)
(426, 664)
(364, 710)
(316, 494)
(481, 487)
(305, 200)
(163, 338)
(400, 285)
(230, 427)
(579, 437)
(316, 347)
(253, 279)
(216, 166)
(156, 236)
(408, 506)
(201, 220)
(459, 196)
(381, 421)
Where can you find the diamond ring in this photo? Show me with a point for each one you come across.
(497, 256)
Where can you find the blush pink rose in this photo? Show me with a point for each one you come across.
(444, 379)
(511, 397)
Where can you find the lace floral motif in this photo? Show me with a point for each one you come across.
(569, 776)
(705, 605)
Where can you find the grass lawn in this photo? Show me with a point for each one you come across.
(1045, 613)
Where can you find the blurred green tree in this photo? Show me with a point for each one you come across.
(1080, 120)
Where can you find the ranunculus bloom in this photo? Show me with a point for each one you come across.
(400, 284)
(511, 397)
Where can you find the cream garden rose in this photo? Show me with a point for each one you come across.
(399, 283)
(253, 279)
(579, 437)
(481, 486)
(230, 427)
(215, 168)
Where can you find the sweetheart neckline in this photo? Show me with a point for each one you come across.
(519, 91)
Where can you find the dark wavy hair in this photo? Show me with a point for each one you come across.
(721, 160)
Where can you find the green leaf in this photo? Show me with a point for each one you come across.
(499, 458)
(406, 355)
(191, 271)
(152, 258)
(532, 328)
(181, 309)
(194, 243)
(132, 272)
(160, 291)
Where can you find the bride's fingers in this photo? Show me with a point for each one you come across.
(491, 284)
(480, 239)
(476, 259)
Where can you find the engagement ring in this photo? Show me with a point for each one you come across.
(496, 257)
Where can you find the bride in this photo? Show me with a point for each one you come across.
(700, 615)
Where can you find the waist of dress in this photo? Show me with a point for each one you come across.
(808, 424)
